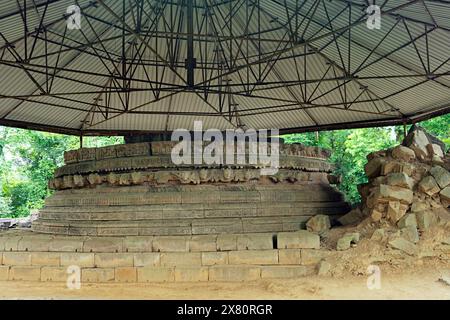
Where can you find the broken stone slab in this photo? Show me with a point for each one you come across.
(376, 215)
(396, 193)
(403, 153)
(429, 186)
(318, 224)
(400, 180)
(347, 240)
(352, 217)
(418, 206)
(410, 233)
(404, 245)
(441, 176)
(298, 240)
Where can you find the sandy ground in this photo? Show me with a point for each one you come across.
(417, 284)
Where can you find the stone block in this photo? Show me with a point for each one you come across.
(347, 240)
(403, 153)
(396, 193)
(57, 274)
(373, 167)
(113, 260)
(203, 243)
(79, 259)
(435, 150)
(404, 245)
(34, 244)
(419, 206)
(126, 274)
(25, 273)
(138, 244)
(11, 243)
(352, 217)
(255, 241)
(4, 273)
(72, 244)
(226, 242)
(312, 257)
(97, 275)
(378, 235)
(172, 259)
(254, 257)
(407, 220)
(319, 224)
(171, 244)
(234, 273)
(396, 211)
(410, 233)
(17, 258)
(429, 186)
(191, 274)
(103, 245)
(159, 274)
(286, 272)
(45, 259)
(400, 180)
(445, 195)
(425, 219)
(214, 258)
(147, 259)
(298, 240)
(441, 176)
(289, 256)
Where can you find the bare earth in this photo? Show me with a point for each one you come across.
(418, 284)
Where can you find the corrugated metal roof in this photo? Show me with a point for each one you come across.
(287, 64)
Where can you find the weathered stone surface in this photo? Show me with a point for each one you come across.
(226, 242)
(419, 205)
(172, 259)
(352, 217)
(347, 240)
(56, 274)
(203, 243)
(410, 233)
(435, 150)
(417, 140)
(25, 273)
(17, 258)
(425, 219)
(112, 260)
(138, 244)
(400, 180)
(103, 245)
(255, 242)
(324, 268)
(289, 256)
(403, 153)
(376, 215)
(298, 240)
(280, 272)
(407, 220)
(4, 273)
(319, 224)
(45, 258)
(171, 244)
(429, 186)
(97, 275)
(441, 176)
(255, 257)
(147, 259)
(159, 274)
(214, 258)
(396, 193)
(234, 273)
(191, 274)
(404, 245)
(82, 260)
(312, 257)
(72, 244)
(396, 211)
(125, 274)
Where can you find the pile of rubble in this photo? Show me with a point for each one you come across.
(408, 192)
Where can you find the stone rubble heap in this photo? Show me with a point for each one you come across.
(408, 189)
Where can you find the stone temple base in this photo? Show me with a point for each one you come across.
(26, 256)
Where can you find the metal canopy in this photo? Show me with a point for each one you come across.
(155, 66)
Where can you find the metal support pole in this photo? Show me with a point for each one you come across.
(190, 60)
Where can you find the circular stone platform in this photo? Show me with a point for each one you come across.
(135, 189)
